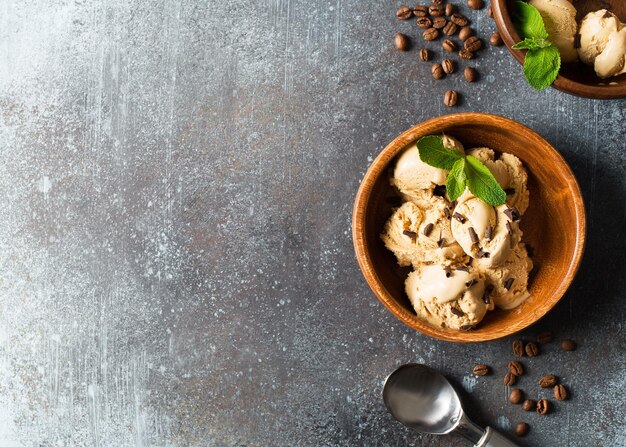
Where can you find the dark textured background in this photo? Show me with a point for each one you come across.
(176, 258)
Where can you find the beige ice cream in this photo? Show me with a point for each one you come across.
(447, 298)
(611, 61)
(595, 30)
(559, 17)
(508, 282)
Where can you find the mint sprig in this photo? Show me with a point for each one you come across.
(465, 171)
(543, 60)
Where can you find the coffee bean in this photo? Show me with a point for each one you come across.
(495, 40)
(436, 2)
(424, 22)
(401, 42)
(516, 396)
(532, 350)
(437, 71)
(448, 66)
(521, 429)
(475, 4)
(465, 33)
(568, 345)
(439, 22)
(404, 13)
(545, 337)
(459, 19)
(436, 10)
(450, 98)
(448, 45)
(430, 34)
(516, 368)
(473, 44)
(518, 348)
(543, 406)
(560, 392)
(509, 379)
(547, 381)
(450, 28)
(424, 54)
(449, 9)
(481, 370)
(465, 54)
(490, 12)
(470, 74)
(420, 11)
(529, 405)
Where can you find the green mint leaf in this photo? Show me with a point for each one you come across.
(434, 153)
(532, 43)
(457, 179)
(529, 22)
(541, 67)
(482, 183)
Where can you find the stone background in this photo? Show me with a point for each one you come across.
(176, 263)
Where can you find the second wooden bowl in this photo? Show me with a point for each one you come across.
(554, 223)
(575, 78)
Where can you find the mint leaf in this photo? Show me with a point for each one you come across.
(434, 153)
(532, 43)
(456, 181)
(529, 22)
(541, 67)
(482, 183)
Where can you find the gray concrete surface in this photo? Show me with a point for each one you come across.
(177, 268)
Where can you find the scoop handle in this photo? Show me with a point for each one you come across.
(492, 438)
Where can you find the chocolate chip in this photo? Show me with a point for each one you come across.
(446, 212)
(473, 235)
(489, 233)
(512, 213)
(410, 234)
(457, 312)
(439, 190)
(508, 283)
(470, 283)
(428, 229)
(441, 243)
(459, 217)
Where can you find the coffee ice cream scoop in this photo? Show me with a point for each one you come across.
(559, 17)
(595, 30)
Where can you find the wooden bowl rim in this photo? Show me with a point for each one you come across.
(379, 167)
(510, 37)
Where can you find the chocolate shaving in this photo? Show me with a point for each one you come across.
(457, 312)
(441, 242)
(508, 283)
(446, 212)
(509, 228)
(448, 271)
(577, 40)
(428, 229)
(470, 283)
(473, 235)
(487, 293)
(468, 327)
(410, 234)
(462, 269)
(512, 213)
(452, 204)
(482, 254)
(509, 191)
(489, 233)
(439, 190)
(459, 217)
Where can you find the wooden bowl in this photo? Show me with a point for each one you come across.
(554, 224)
(574, 78)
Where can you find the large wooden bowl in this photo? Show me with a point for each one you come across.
(574, 78)
(554, 224)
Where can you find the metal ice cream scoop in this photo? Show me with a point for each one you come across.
(421, 398)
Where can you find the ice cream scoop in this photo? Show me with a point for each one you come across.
(595, 30)
(559, 17)
(508, 282)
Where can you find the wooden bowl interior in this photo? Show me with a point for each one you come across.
(576, 78)
(552, 225)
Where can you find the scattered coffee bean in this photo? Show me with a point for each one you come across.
(420, 10)
(521, 429)
(529, 405)
(459, 19)
(428, 229)
(465, 54)
(516, 368)
(532, 350)
(543, 406)
(439, 22)
(509, 379)
(424, 54)
(448, 46)
(450, 29)
(516, 396)
(495, 40)
(448, 66)
(470, 76)
(490, 12)
(436, 2)
(404, 13)
(475, 4)
(437, 71)
(481, 370)
(449, 9)
(518, 348)
(544, 337)
(424, 22)
(560, 392)
(402, 42)
(568, 345)
(450, 98)
(465, 33)
(431, 34)
(436, 10)
(473, 44)
(547, 381)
